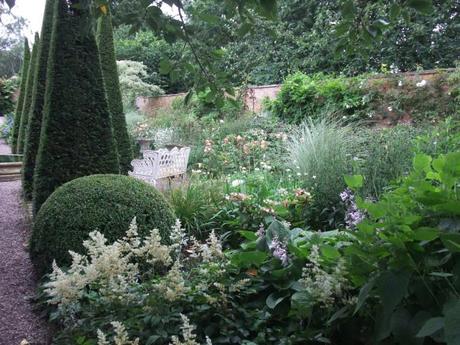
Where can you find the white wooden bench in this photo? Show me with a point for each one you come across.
(161, 163)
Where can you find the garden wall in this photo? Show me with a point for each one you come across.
(254, 95)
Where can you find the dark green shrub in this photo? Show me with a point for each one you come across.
(112, 89)
(77, 137)
(22, 92)
(28, 97)
(106, 203)
(38, 99)
(303, 96)
(7, 89)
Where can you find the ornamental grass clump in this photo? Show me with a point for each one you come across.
(320, 151)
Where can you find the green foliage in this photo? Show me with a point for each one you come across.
(7, 127)
(384, 155)
(7, 89)
(196, 204)
(144, 46)
(132, 85)
(302, 96)
(77, 135)
(412, 235)
(106, 203)
(385, 99)
(20, 102)
(24, 123)
(112, 89)
(33, 131)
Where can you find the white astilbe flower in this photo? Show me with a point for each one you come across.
(101, 338)
(131, 240)
(64, 288)
(178, 237)
(153, 251)
(173, 285)
(187, 334)
(212, 249)
(322, 285)
(120, 338)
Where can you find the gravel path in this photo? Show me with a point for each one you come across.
(18, 320)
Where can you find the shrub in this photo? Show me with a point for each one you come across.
(33, 130)
(106, 203)
(7, 127)
(22, 92)
(7, 89)
(28, 97)
(132, 84)
(320, 152)
(302, 96)
(77, 136)
(112, 89)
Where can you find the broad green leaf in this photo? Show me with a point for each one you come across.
(426, 234)
(422, 162)
(451, 242)
(452, 323)
(424, 6)
(249, 235)
(165, 67)
(329, 252)
(363, 294)
(354, 181)
(392, 287)
(275, 298)
(247, 259)
(431, 326)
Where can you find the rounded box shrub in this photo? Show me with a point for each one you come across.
(106, 203)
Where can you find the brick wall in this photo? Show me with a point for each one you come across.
(254, 95)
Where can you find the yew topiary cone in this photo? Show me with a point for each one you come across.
(76, 136)
(112, 89)
(20, 102)
(38, 99)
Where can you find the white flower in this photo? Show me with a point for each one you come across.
(390, 108)
(400, 83)
(421, 84)
(236, 183)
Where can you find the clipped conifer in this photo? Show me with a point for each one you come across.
(28, 97)
(38, 98)
(20, 102)
(112, 89)
(77, 136)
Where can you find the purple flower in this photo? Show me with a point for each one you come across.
(279, 251)
(261, 232)
(353, 216)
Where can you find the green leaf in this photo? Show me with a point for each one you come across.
(247, 259)
(426, 234)
(422, 162)
(392, 287)
(152, 339)
(348, 10)
(452, 323)
(395, 11)
(431, 326)
(354, 181)
(275, 298)
(451, 242)
(249, 235)
(165, 66)
(363, 294)
(424, 6)
(330, 252)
